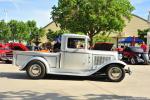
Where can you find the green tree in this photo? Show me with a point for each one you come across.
(51, 35)
(4, 31)
(101, 38)
(92, 16)
(35, 32)
(143, 33)
(19, 30)
(13, 24)
(23, 31)
(32, 30)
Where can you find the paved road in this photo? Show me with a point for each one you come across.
(15, 85)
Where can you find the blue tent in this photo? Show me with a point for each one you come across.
(130, 40)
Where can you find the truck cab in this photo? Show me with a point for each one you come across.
(74, 58)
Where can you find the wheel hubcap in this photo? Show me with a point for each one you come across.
(35, 70)
(132, 61)
(115, 73)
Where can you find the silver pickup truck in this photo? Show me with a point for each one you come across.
(74, 59)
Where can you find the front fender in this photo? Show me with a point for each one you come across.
(115, 62)
(99, 67)
(39, 59)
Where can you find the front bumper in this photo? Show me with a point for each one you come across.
(128, 71)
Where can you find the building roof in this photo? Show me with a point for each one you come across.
(48, 24)
(140, 18)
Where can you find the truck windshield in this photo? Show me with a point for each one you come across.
(76, 43)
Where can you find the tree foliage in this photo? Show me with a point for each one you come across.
(34, 31)
(51, 35)
(143, 33)
(101, 38)
(4, 31)
(92, 16)
(20, 31)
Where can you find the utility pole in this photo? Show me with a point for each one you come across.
(149, 19)
(148, 34)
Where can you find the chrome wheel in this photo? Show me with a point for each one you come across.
(132, 60)
(115, 73)
(35, 70)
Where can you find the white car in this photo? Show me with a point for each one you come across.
(72, 60)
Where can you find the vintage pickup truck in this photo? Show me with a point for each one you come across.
(72, 60)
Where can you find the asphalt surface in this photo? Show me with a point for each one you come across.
(15, 85)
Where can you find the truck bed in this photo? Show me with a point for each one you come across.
(20, 58)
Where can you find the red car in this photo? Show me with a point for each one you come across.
(135, 55)
(6, 51)
(3, 50)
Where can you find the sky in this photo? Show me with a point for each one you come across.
(39, 10)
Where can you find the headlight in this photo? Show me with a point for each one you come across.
(139, 55)
(119, 56)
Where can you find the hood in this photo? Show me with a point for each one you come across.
(104, 53)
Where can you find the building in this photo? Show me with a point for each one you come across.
(131, 28)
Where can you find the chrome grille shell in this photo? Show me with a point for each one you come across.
(100, 59)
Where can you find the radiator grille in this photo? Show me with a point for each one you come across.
(101, 59)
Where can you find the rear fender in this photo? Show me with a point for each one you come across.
(39, 59)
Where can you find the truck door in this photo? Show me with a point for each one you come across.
(75, 57)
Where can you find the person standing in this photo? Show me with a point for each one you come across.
(144, 47)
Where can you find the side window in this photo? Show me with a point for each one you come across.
(76, 43)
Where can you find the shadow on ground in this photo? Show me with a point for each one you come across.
(3, 62)
(30, 95)
(12, 75)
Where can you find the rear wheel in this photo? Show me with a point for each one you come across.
(36, 70)
(115, 73)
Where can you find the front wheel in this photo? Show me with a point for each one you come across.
(133, 61)
(115, 73)
(36, 70)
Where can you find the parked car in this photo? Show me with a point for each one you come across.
(7, 51)
(135, 55)
(71, 60)
(3, 50)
